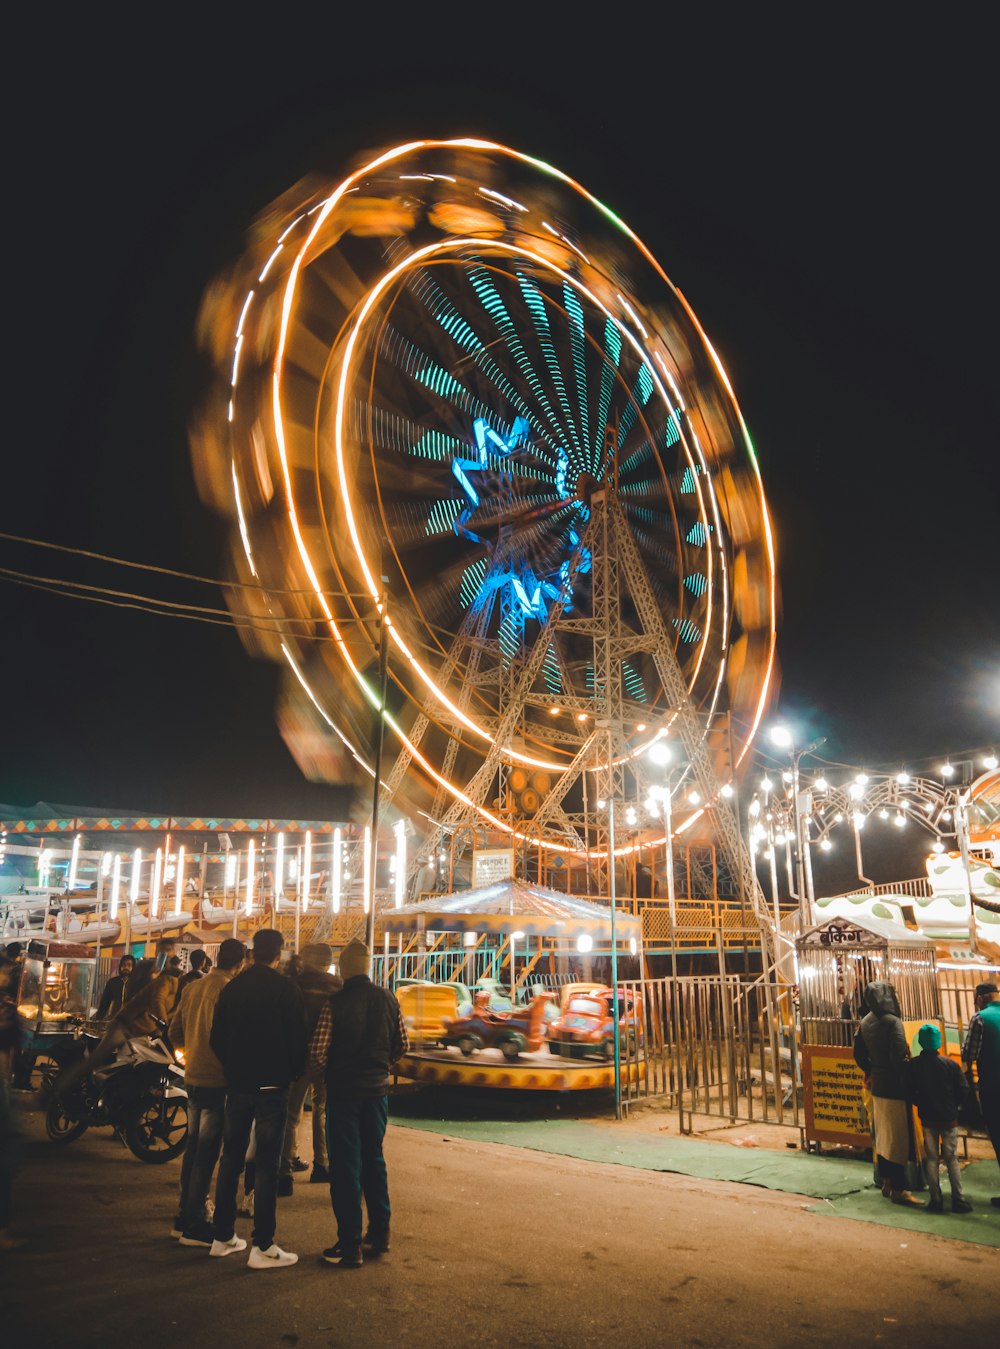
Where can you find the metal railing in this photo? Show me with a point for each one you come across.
(714, 1045)
(918, 888)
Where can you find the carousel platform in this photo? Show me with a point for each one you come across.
(540, 1071)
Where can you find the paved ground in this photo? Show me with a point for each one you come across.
(492, 1245)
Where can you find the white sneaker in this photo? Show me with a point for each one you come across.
(273, 1258)
(228, 1247)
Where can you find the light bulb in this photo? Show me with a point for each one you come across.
(726, 790)
(766, 784)
(947, 770)
(937, 846)
(821, 785)
(781, 736)
(694, 798)
(660, 752)
(990, 761)
(825, 844)
(902, 778)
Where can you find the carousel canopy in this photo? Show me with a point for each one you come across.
(513, 906)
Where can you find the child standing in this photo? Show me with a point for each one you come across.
(938, 1089)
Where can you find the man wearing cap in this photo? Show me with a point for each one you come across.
(205, 1080)
(316, 984)
(360, 1032)
(982, 1047)
(938, 1089)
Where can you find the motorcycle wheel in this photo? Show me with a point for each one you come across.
(157, 1132)
(60, 1126)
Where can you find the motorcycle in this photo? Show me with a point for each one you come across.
(140, 1093)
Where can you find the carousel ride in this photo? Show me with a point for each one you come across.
(497, 515)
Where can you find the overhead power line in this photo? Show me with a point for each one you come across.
(172, 571)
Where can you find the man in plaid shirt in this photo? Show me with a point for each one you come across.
(982, 1047)
(360, 1033)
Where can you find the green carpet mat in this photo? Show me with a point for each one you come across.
(795, 1172)
(982, 1226)
(844, 1184)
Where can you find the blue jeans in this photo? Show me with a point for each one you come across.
(206, 1112)
(355, 1128)
(267, 1110)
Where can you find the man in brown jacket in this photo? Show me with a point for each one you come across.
(206, 1088)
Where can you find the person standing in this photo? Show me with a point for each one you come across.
(360, 1032)
(982, 1048)
(937, 1087)
(198, 966)
(149, 1002)
(115, 990)
(316, 984)
(881, 1052)
(259, 1036)
(190, 1028)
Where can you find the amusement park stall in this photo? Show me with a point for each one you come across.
(837, 960)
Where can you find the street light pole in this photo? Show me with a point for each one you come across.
(962, 832)
(800, 871)
(614, 958)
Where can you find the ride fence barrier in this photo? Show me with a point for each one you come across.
(958, 996)
(714, 1045)
(445, 966)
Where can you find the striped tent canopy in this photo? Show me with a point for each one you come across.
(513, 906)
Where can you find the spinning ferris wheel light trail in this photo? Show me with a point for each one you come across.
(458, 371)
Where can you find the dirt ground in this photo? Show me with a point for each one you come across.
(492, 1245)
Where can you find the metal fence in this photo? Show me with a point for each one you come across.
(714, 1045)
(957, 988)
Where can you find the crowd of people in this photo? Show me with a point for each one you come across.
(256, 1042)
(932, 1085)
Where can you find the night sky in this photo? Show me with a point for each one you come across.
(824, 200)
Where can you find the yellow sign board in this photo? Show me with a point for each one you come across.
(833, 1087)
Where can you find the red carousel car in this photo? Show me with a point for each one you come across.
(515, 1032)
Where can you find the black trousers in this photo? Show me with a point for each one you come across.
(989, 1100)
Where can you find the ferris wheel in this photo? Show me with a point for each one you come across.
(457, 396)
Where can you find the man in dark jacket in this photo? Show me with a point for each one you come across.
(316, 985)
(259, 1036)
(114, 995)
(881, 1052)
(198, 966)
(937, 1088)
(359, 1034)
